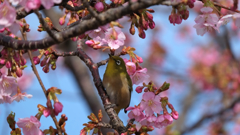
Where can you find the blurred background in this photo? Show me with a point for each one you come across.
(203, 72)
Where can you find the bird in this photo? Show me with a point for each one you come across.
(117, 83)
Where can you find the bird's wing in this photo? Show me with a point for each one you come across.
(130, 90)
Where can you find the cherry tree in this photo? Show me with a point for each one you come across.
(99, 27)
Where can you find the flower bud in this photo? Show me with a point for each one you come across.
(58, 107)
(151, 24)
(174, 115)
(2, 61)
(62, 20)
(43, 62)
(8, 64)
(140, 60)
(141, 33)
(46, 69)
(150, 16)
(99, 6)
(139, 89)
(36, 60)
(132, 29)
(46, 112)
(53, 67)
(18, 72)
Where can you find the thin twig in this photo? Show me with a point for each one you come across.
(46, 27)
(41, 83)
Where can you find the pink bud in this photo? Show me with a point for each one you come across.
(141, 33)
(23, 62)
(90, 43)
(99, 6)
(150, 16)
(46, 112)
(139, 89)
(18, 72)
(174, 115)
(151, 24)
(140, 60)
(36, 60)
(43, 62)
(57, 108)
(62, 20)
(146, 90)
(8, 64)
(46, 69)
(132, 29)
(2, 61)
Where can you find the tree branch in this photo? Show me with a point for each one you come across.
(85, 25)
(209, 116)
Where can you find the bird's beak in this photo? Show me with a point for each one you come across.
(109, 55)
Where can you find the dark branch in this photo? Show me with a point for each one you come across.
(209, 116)
(85, 25)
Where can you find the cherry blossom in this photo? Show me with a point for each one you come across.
(150, 103)
(114, 37)
(206, 22)
(7, 14)
(99, 32)
(49, 3)
(139, 76)
(20, 96)
(30, 4)
(131, 67)
(135, 113)
(30, 126)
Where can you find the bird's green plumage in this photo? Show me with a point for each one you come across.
(118, 83)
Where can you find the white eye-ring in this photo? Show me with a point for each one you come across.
(118, 62)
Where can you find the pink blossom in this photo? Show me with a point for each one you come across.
(114, 37)
(206, 22)
(99, 32)
(150, 103)
(236, 17)
(149, 121)
(49, 3)
(99, 6)
(20, 96)
(139, 76)
(30, 4)
(7, 14)
(8, 85)
(95, 43)
(58, 107)
(131, 67)
(163, 120)
(135, 113)
(30, 126)
(5, 98)
(224, 20)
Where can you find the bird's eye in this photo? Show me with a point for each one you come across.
(118, 62)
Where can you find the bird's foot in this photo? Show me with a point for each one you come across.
(108, 106)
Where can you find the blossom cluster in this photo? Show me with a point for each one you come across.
(9, 90)
(148, 112)
(209, 65)
(210, 20)
(113, 37)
